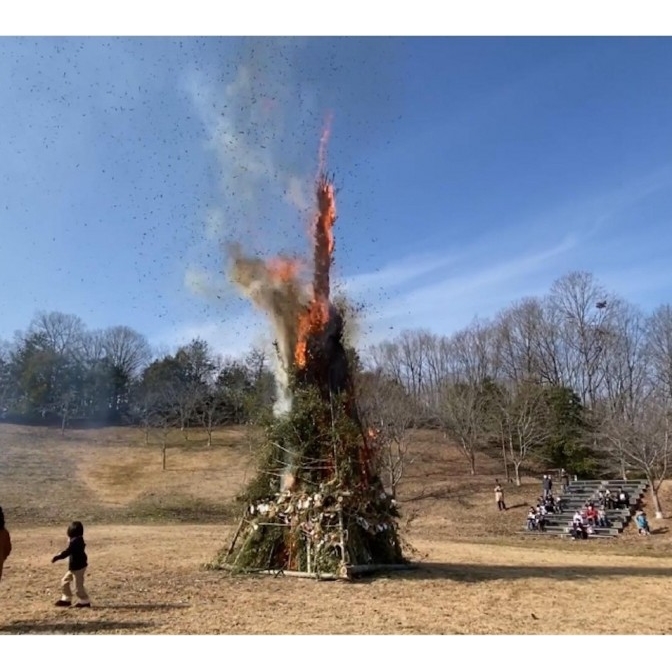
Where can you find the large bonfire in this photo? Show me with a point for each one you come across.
(317, 506)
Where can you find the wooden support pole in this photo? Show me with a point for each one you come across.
(348, 572)
(341, 531)
(232, 545)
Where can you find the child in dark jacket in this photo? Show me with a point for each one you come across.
(5, 542)
(77, 564)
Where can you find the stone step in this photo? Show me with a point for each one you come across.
(580, 492)
(604, 534)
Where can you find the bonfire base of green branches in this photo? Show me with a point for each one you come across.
(316, 507)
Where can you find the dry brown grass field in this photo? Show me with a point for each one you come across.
(150, 532)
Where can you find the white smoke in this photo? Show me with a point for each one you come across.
(282, 301)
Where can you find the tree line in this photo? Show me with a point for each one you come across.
(577, 379)
(58, 371)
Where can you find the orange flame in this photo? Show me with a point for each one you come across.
(316, 317)
(283, 269)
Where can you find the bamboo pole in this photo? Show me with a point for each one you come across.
(293, 573)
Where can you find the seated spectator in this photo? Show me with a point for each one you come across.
(578, 530)
(623, 499)
(602, 520)
(531, 519)
(609, 503)
(642, 523)
(558, 505)
(591, 514)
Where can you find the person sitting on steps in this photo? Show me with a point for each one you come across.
(591, 513)
(531, 519)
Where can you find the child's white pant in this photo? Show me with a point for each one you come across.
(78, 577)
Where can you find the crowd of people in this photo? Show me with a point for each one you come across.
(536, 516)
(593, 515)
(585, 520)
(611, 501)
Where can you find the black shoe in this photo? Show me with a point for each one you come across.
(63, 603)
(82, 605)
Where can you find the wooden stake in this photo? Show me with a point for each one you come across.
(342, 535)
(235, 536)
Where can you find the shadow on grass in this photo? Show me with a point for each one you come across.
(89, 627)
(140, 607)
(470, 573)
(660, 530)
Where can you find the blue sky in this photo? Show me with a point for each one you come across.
(472, 172)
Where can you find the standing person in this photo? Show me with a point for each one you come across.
(550, 484)
(499, 496)
(564, 477)
(544, 486)
(77, 564)
(5, 542)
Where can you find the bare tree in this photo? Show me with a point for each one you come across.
(472, 352)
(524, 422)
(93, 345)
(642, 436)
(585, 310)
(519, 340)
(389, 413)
(127, 349)
(211, 406)
(659, 347)
(61, 332)
(625, 372)
(461, 417)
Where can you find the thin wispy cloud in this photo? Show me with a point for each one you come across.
(393, 274)
(443, 291)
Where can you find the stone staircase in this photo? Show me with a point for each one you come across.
(580, 492)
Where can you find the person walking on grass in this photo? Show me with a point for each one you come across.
(499, 496)
(5, 542)
(77, 564)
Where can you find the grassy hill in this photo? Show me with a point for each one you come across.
(150, 532)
